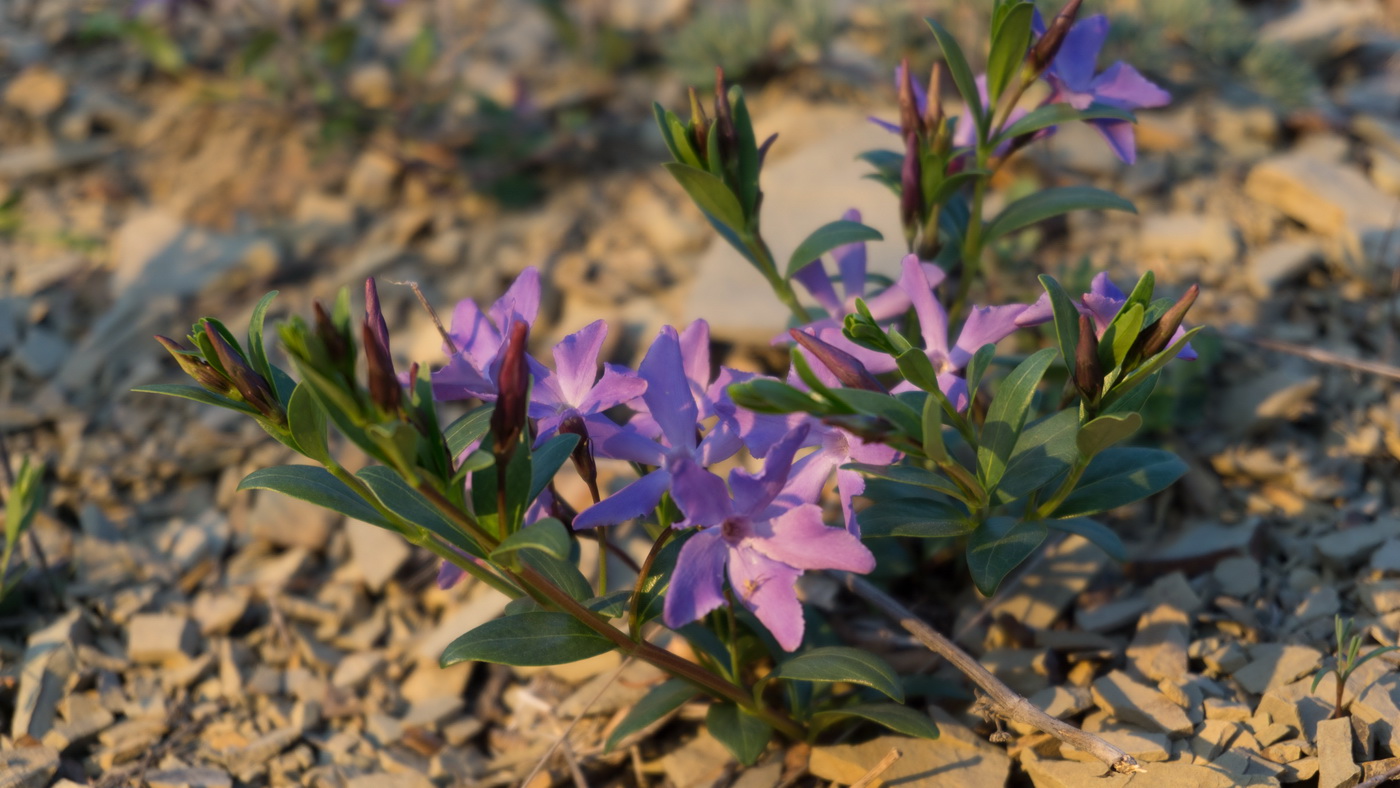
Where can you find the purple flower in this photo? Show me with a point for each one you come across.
(1071, 75)
(681, 461)
(836, 447)
(765, 543)
(574, 388)
(984, 325)
(472, 370)
(1100, 304)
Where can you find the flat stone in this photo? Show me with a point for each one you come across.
(27, 767)
(1185, 236)
(42, 352)
(1335, 766)
(1273, 266)
(290, 522)
(354, 669)
(37, 91)
(218, 610)
(1344, 548)
(1173, 774)
(377, 552)
(1142, 745)
(1227, 659)
(1387, 557)
(1378, 704)
(1206, 542)
(1158, 650)
(1296, 705)
(1238, 576)
(1044, 592)
(1139, 704)
(159, 638)
(948, 762)
(1379, 596)
(1226, 710)
(1373, 769)
(1274, 665)
(189, 777)
(1214, 736)
(702, 761)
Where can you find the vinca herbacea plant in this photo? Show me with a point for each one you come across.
(896, 390)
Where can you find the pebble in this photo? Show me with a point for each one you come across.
(27, 767)
(1213, 737)
(159, 638)
(1138, 704)
(290, 522)
(1226, 710)
(1270, 268)
(377, 552)
(1379, 596)
(1158, 650)
(189, 777)
(1238, 576)
(1335, 766)
(1184, 236)
(1147, 747)
(1274, 665)
(41, 353)
(37, 91)
(1344, 548)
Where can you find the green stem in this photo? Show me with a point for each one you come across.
(634, 611)
(972, 244)
(1047, 508)
(782, 288)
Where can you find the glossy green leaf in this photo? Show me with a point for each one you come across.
(257, 349)
(1118, 477)
(547, 536)
(1045, 450)
(747, 150)
(947, 187)
(1007, 415)
(828, 237)
(1101, 535)
(404, 501)
(932, 436)
(710, 193)
(546, 460)
(195, 393)
(314, 484)
(900, 719)
(921, 518)
(528, 639)
(962, 74)
(884, 406)
(1046, 203)
(653, 587)
(1119, 337)
(911, 475)
(1010, 40)
(999, 546)
(1056, 114)
(561, 572)
(1105, 431)
(659, 701)
(832, 664)
(763, 395)
(470, 427)
(1065, 318)
(1148, 369)
(744, 735)
(977, 367)
(307, 422)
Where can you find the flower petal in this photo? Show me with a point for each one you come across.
(1121, 85)
(1079, 54)
(701, 495)
(521, 301)
(766, 587)
(851, 258)
(616, 442)
(814, 277)
(576, 361)
(459, 380)
(933, 321)
(800, 539)
(1036, 314)
(1119, 136)
(629, 503)
(619, 385)
(986, 325)
(695, 357)
(752, 494)
(697, 584)
(473, 334)
(668, 396)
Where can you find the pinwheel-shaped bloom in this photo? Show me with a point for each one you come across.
(763, 543)
(835, 448)
(1071, 75)
(681, 461)
(1101, 305)
(984, 325)
(472, 370)
(573, 388)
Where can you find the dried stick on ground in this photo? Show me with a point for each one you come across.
(1001, 700)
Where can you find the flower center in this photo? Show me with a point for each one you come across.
(734, 529)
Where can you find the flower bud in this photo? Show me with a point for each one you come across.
(933, 108)
(911, 191)
(512, 393)
(336, 343)
(1156, 337)
(375, 315)
(910, 122)
(384, 389)
(582, 454)
(197, 368)
(249, 384)
(1088, 374)
(1043, 53)
(724, 119)
(699, 125)
(846, 367)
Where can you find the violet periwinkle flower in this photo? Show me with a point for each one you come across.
(984, 325)
(763, 542)
(680, 463)
(1100, 304)
(471, 370)
(573, 388)
(836, 448)
(1071, 75)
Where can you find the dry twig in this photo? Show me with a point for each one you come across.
(1383, 777)
(573, 763)
(879, 769)
(1000, 700)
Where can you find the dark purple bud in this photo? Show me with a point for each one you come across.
(249, 384)
(911, 192)
(933, 110)
(375, 315)
(1156, 337)
(197, 368)
(1088, 374)
(699, 125)
(724, 118)
(846, 367)
(384, 388)
(583, 452)
(1043, 53)
(513, 393)
(763, 149)
(336, 343)
(909, 120)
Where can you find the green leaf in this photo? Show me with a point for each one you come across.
(884, 406)
(561, 572)
(1095, 531)
(196, 393)
(1045, 450)
(1009, 42)
(909, 474)
(472, 426)
(900, 719)
(257, 350)
(747, 149)
(547, 536)
(998, 547)
(922, 518)
(546, 460)
(1146, 372)
(977, 367)
(26, 496)
(841, 664)
(763, 395)
(528, 639)
(1118, 477)
(307, 422)
(949, 185)
(962, 74)
(314, 485)
(1118, 338)
(1066, 319)
(404, 501)
(744, 735)
(653, 588)
(710, 193)
(828, 237)
(666, 123)
(932, 437)
(1007, 415)
(1056, 114)
(1105, 431)
(1046, 203)
(661, 700)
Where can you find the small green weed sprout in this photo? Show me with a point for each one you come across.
(26, 495)
(1348, 660)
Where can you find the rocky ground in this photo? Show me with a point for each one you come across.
(187, 635)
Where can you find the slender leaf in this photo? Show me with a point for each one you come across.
(832, 664)
(1066, 318)
(316, 485)
(999, 546)
(401, 499)
(900, 719)
(469, 428)
(932, 436)
(307, 423)
(561, 572)
(546, 460)
(1046, 203)
(747, 149)
(1148, 370)
(547, 536)
(884, 406)
(962, 74)
(910, 475)
(1055, 114)
(196, 393)
(710, 193)
(528, 639)
(977, 367)
(922, 518)
(1010, 40)
(660, 701)
(828, 237)
(1118, 477)
(1105, 431)
(744, 735)
(257, 350)
(763, 395)
(1095, 531)
(1007, 415)
(1045, 450)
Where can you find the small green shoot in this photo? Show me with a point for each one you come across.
(1348, 660)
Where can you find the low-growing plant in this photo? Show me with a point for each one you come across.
(896, 389)
(24, 495)
(1347, 660)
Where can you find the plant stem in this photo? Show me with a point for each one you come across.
(781, 287)
(1001, 700)
(972, 245)
(1047, 508)
(634, 624)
